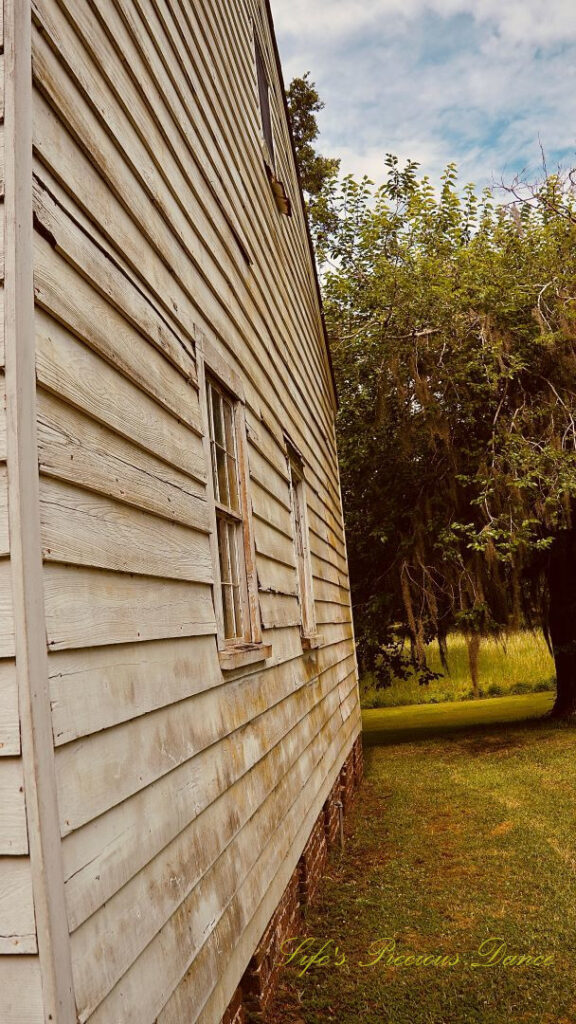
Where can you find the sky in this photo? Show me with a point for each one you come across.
(479, 82)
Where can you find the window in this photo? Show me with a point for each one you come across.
(229, 519)
(302, 547)
(232, 540)
(264, 98)
(281, 197)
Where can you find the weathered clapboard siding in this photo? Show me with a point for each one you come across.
(13, 831)
(43, 58)
(17, 925)
(99, 857)
(73, 447)
(269, 876)
(21, 988)
(185, 794)
(9, 716)
(175, 884)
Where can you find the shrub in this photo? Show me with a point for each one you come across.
(521, 688)
(495, 690)
(544, 685)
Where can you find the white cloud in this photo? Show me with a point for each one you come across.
(535, 21)
(476, 81)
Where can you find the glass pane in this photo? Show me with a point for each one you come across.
(233, 495)
(214, 471)
(222, 471)
(228, 606)
(224, 551)
(234, 539)
(238, 611)
(218, 425)
(228, 411)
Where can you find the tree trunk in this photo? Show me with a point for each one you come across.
(473, 648)
(562, 620)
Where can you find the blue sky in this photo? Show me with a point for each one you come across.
(479, 82)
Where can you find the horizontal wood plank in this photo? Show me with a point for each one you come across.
(7, 643)
(72, 300)
(74, 447)
(21, 990)
(102, 856)
(72, 371)
(88, 607)
(77, 243)
(17, 925)
(9, 714)
(86, 529)
(170, 877)
(13, 829)
(100, 687)
(138, 986)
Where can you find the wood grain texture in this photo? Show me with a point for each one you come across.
(17, 925)
(9, 715)
(80, 244)
(2, 417)
(138, 988)
(103, 855)
(4, 528)
(97, 688)
(7, 641)
(64, 294)
(72, 371)
(86, 607)
(73, 447)
(21, 990)
(13, 830)
(82, 528)
(168, 882)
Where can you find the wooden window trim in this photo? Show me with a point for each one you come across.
(233, 653)
(301, 532)
(263, 93)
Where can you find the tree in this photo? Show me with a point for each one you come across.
(453, 326)
(317, 173)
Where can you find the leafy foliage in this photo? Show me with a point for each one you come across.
(317, 172)
(453, 328)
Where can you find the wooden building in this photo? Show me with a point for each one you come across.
(179, 710)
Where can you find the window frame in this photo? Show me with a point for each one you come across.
(238, 651)
(263, 94)
(301, 540)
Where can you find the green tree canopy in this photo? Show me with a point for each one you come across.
(453, 327)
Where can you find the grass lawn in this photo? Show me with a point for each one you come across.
(457, 838)
(522, 664)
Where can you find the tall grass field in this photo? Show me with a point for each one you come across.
(519, 664)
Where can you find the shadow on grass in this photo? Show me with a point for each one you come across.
(489, 718)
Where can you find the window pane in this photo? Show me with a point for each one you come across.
(218, 425)
(233, 495)
(224, 551)
(228, 413)
(264, 97)
(222, 474)
(229, 538)
(228, 608)
(238, 610)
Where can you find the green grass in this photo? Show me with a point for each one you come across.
(456, 837)
(522, 665)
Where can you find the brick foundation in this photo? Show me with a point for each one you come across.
(312, 862)
(235, 1014)
(261, 976)
(256, 991)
